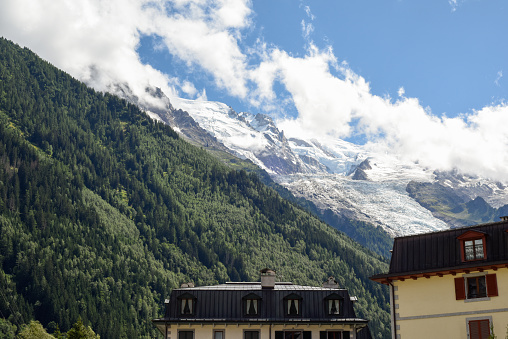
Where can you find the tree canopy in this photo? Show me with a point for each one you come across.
(103, 211)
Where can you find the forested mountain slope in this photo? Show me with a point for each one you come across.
(103, 211)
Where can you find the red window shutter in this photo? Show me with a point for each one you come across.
(474, 330)
(460, 289)
(479, 329)
(484, 329)
(491, 285)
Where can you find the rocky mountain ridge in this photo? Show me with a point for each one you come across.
(346, 179)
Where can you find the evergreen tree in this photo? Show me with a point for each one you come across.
(103, 211)
(34, 330)
(80, 331)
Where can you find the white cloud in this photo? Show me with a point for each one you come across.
(454, 4)
(498, 77)
(307, 29)
(96, 41)
(329, 105)
(309, 13)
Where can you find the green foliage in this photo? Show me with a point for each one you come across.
(103, 211)
(7, 329)
(80, 331)
(34, 330)
(492, 335)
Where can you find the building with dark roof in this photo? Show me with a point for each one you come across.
(261, 310)
(454, 282)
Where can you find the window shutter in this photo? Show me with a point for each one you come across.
(322, 334)
(460, 289)
(479, 329)
(485, 328)
(279, 335)
(491, 285)
(307, 335)
(474, 329)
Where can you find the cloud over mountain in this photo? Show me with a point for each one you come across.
(96, 41)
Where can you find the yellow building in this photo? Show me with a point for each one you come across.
(450, 284)
(261, 310)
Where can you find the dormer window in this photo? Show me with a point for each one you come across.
(333, 304)
(472, 246)
(187, 304)
(293, 304)
(251, 304)
(473, 249)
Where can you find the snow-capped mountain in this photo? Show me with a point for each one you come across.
(337, 175)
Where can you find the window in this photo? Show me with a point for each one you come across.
(334, 335)
(333, 304)
(185, 335)
(187, 304)
(472, 246)
(251, 335)
(218, 334)
(473, 249)
(293, 304)
(251, 304)
(476, 286)
(479, 329)
(293, 335)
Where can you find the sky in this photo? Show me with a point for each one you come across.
(425, 80)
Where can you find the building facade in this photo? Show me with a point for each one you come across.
(450, 284)
(261, 310)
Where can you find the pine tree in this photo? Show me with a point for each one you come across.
(80, 331)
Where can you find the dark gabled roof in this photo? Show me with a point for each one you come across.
(441, 251)
(225, 303)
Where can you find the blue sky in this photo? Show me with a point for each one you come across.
(422, 79)
(451, 56)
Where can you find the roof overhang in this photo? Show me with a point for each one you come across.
(335, 321)
(388, 278)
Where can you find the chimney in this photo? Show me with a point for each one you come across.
(504, 218)
(331, 283)
(267, 278)
(166, 308)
